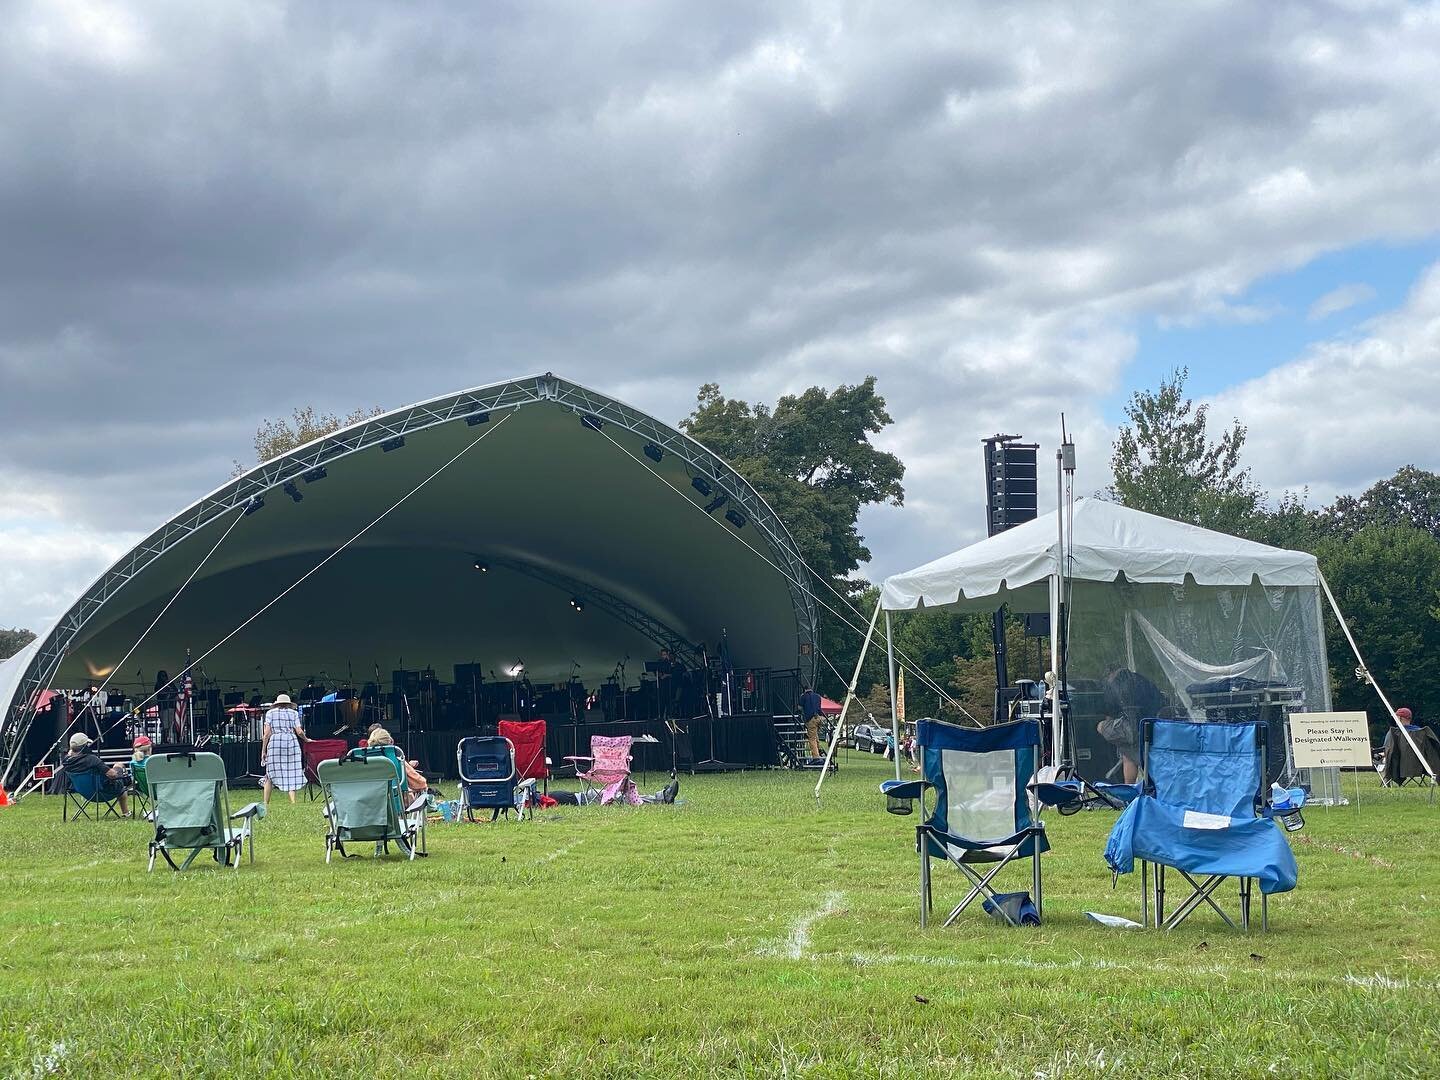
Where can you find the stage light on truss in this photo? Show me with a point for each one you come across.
(734, 517)
(476, 419)
(317, 473)
(577, 603)
(292, 489)
(257, 503)
(717, 502)
(481, 565)
(393, 444)
(653, 452)
(700, 484)
(516, 669)
(591, 421)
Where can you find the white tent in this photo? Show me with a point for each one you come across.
(1195, 610)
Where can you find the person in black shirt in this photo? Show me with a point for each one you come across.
(83, 759)
(810, 712)
(1129, 698)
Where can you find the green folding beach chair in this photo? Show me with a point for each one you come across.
(140, 789)
(192, 811)
(364, 803)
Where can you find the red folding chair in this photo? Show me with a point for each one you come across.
(528, 738)
(315, 751)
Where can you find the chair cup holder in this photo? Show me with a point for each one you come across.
(899, 806)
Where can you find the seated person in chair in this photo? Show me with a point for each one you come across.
(83, 759)
(415, 782)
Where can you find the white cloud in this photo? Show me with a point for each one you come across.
(1350, 411)
(1339, 299)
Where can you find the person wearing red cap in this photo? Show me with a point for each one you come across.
(141, 749)
(1406, 718)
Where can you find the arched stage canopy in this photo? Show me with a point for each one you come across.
(562, 498)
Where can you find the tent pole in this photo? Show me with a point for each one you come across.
(894, 700)
(1365, 674)
(1055, 669)
(849, 696)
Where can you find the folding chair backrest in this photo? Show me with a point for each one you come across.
(979, 776)
(364, 795)
(314, 751)
(611, 755)
(528, 738)
(87, 784)
(1213, 768)
(189, 792)
(140, 778)
(386, 753)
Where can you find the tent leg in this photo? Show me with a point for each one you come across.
(849, 697)
(894, 701)
(924, 883)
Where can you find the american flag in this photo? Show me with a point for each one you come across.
(182, 699)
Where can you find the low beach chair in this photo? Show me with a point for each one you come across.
(1203, 812)
(608, 770)
(982, 816)
(192, 810)
(139, 789)
(364, 803)
(313, 752)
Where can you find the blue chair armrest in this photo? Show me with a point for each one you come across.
(904, 789)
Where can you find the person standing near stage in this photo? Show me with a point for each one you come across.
(810, 711)
(165, 698)
(280, 755)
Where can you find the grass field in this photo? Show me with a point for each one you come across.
(743, 932)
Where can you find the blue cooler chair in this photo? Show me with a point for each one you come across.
(487, 775)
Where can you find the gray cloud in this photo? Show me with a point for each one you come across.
(211, 214)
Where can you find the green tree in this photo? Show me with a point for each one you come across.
(13, 640)
(1386, 580)
(811, 459)
(276, 437)
(1409, 498)
(1165, 462)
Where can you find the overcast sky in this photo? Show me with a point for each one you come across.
(210, 213)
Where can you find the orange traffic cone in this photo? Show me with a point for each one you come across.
(4, 798)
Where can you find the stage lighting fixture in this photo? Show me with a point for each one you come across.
(257, 503)
(577, 603)
(590, 420)
(717, 502)
(292, 490)
(393, 444)
(734, 517)
(700, 484)
(317, 473)
(481, 565)
(476, 419)
(653, 452)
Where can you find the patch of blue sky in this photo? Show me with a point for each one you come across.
(1220, 352)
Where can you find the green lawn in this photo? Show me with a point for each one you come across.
(743, 932)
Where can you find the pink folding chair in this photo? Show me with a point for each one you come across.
(609, 771)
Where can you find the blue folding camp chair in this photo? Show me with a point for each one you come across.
(487, 775)
(89, 794)
(982, 814)
(1203, 812)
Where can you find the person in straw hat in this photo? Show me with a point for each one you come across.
(280, 755)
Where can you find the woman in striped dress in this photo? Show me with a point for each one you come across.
(280, 749)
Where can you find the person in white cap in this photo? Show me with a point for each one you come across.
(280, 755)
(82, 758)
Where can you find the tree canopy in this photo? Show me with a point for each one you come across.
(276, 437)
(13, 640)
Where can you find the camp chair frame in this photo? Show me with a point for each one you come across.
(89, 798)
(493, 788)
(140, 789)
(1202, 889)
(404, 823)
(217, 836)
(1026, 840)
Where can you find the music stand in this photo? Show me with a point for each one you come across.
(646, 739)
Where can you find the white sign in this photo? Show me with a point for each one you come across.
(1322, 740)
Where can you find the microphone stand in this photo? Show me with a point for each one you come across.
(712, 763)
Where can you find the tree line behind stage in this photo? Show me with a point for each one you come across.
(811, 457)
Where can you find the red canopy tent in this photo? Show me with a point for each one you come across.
(828, 707)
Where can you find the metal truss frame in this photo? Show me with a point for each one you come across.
(249, 491)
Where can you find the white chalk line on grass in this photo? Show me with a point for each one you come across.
(796, 945)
